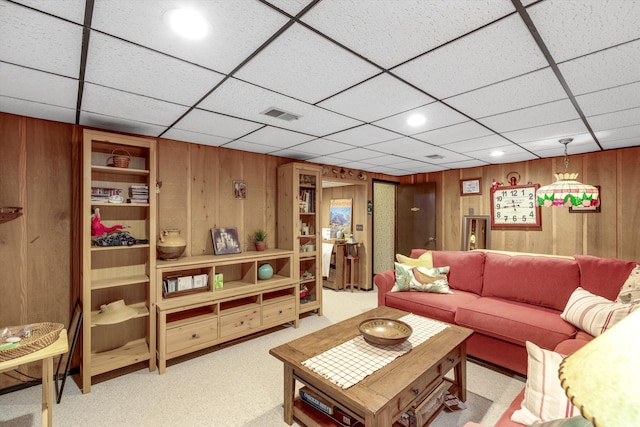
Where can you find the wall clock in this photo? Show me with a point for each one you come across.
(515, 206)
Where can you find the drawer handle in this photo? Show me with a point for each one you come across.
(242, 322)
(280, 312)
(452, 360)
(416, 391)
(194, 335)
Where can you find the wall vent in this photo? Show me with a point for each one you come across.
(280, 114)
(435, 157)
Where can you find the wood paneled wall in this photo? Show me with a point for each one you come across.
(39, 160)
(611, 233)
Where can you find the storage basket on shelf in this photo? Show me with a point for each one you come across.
(120, 159)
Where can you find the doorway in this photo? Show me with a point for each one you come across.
(416, 217)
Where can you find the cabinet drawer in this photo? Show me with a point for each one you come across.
(191, 334)
(429, 406)
(239, 322)
(278, 313)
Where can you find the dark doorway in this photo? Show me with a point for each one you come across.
(416, 217)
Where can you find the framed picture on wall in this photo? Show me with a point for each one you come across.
(470, 186)
(225, 241)
(239, 190)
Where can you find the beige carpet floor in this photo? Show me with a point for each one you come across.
(238, 385)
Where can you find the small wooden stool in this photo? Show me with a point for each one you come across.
(351, 263)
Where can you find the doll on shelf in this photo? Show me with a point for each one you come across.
(97, 228)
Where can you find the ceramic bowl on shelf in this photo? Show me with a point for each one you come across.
(384, 331)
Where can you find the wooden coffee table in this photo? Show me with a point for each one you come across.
(380, 398)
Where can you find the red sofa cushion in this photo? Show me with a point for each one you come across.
(436, 306)
(603, 276)
(515, 322)
(466, 268)
(541, 280)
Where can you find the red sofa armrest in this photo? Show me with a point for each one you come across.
(384, 281)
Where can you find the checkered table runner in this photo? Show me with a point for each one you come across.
(350, 362)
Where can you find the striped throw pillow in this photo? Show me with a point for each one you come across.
(544, 398)
(593, 313)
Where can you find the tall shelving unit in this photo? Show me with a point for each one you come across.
(114, 273)
(299, 201)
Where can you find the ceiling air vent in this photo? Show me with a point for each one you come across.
(435, 157)
(280, 114)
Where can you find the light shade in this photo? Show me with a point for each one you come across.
(603, 377)
(566, 191)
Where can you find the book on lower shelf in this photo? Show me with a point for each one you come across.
(334, 412)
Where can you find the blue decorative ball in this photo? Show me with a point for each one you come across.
(265, 271)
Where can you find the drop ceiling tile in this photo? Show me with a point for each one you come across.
(485, 142)
(619, 119)
(509, 158)
(73, 10)
(466, 164)
(612, 67)
(119, 124)
(530, 89)
(35, 40)
(582, 143)
(251, 147)
(387, 33)
(37, 109)
(292, 7)
(293, 154)
(453, 133)
(277, 137)
(363, 135)
(299, 56)
(127, 106)
(549, 113)
(556, 131)
(403, 146)
(447, 156)
(240, 99)
(31, 85)
(195, 137)
(328, 160)
(619, 138)
(237, 28)
(500, 51)
(425, 168)
(438, 115)
(359, 154)
(323, 147)
(117, 64)
(383, 160)
(215, 124)
(575, 28)
(610, 100)
(376, 98)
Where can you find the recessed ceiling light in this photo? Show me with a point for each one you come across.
(187, 23)
(497, 153)
(416, 120)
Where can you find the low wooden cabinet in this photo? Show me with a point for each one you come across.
(241, 304)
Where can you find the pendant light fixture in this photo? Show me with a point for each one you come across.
(567, 191)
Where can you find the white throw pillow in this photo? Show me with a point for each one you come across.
(630, 291)
(593, 313)
(544, 398)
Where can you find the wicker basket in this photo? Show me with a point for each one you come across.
(42, 335)
(120, 160)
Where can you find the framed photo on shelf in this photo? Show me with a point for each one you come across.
(239, 190)
(225, 241)
(470, 186)
(588, 209)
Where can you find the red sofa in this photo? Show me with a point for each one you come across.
(509, 298)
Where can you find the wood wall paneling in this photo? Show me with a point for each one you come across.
(628, 202)
(174, 199)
